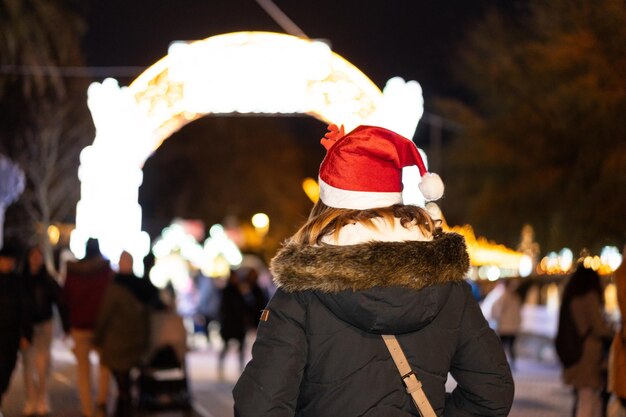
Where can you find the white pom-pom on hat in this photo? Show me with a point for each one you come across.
(363, 169)
(431, 186)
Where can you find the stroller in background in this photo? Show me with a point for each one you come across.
(163, 383)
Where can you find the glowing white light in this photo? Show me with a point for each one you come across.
(220, 253)
(566, 258)
(171, 268)
(248, 73)
(553, 261)
(77, 243)
(175, 239)
(217, 231)
(401, 108)
(493, 273)
(610, 256)
(525, 266)
(490, 272)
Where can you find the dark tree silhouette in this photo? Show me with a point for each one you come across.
(544, 141)
(45, 119)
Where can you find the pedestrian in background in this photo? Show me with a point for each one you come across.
(507, 313)
(43, 294)
(617, 362)
(241, 305)
(582, 304)
(208, 307)
(15, 323)
(254, 296)
(365, 266)
(121, 332)
(85, 284)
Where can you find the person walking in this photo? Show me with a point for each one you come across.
(617, 362)
(241, 303)
(15, 323)
(371, 300)
(582, 312)
(85, 284)
(507, 312)
(121, 332)
(43, 294)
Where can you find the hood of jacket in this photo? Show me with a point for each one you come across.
(378, 286)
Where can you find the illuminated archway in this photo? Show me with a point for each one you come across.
(243, 72)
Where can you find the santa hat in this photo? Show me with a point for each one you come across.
(363, 169)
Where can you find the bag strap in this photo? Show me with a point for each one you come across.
(409, 379)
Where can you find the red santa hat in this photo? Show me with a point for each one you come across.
(363, 169)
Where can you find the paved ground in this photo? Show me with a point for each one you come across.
(539, 392)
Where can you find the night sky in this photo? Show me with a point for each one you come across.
(412, 39)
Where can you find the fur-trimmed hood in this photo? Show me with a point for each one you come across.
(330, 268)
(377, 286)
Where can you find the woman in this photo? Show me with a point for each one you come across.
(121, 332)
(43, 294)
(582, 303)
(507, 312)
(366, 265)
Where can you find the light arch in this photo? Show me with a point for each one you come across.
(241, 72)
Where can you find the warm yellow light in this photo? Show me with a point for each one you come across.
(264, 72)
(217, 268)
(260, 221)
(552, 298)
(484, 252)
(610, 299)
(595, 263)
(611, 259)
(312, 189)
(54, 234)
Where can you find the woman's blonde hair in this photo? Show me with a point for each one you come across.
(325, 220)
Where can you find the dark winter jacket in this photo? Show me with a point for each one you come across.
(15, 318)
(122, 326)
(319, 352)
(43, 293)
(240, 312)
(85, 284)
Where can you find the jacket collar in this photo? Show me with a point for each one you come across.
(333, 268)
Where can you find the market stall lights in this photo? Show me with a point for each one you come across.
(525, 266)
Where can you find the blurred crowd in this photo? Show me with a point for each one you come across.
(130, 324)
(105, 309)
(590, 346)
